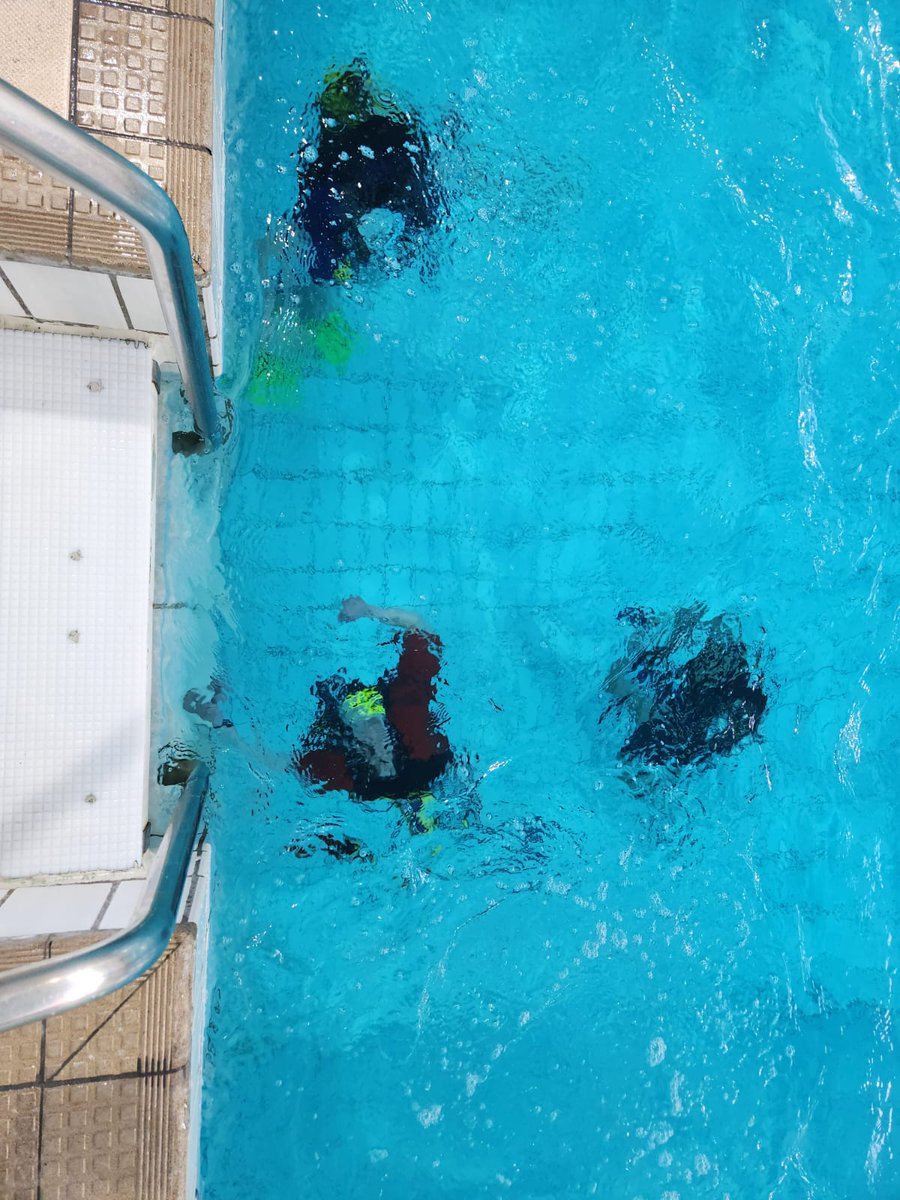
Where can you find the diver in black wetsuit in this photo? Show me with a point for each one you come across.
(688, 687)
(370, 156)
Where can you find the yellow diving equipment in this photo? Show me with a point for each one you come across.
(422, 817)
(364, 702)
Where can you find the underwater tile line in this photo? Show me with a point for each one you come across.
(514, 536)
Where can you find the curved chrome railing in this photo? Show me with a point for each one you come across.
(43, 989)
(68, 153)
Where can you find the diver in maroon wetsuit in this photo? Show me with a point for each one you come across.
(380, 741)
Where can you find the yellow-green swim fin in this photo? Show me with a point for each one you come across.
(281, 368)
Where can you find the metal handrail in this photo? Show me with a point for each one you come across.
(46, 988)
(68, 153)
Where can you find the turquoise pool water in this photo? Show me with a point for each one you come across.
(650, 360)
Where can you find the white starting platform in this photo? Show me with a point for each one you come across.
(77, 432)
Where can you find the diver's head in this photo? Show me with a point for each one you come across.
(346, 97)
(363, 713)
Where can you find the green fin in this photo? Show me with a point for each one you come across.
(276, 381)
(333, 339)
(280, 370)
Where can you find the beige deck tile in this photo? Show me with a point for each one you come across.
(205, 9)
(20, 1055)
(190, 186)
(143, 79)
(24, 186)
(119, 1138)
(15, 951)
(101, 238)
(125, 1139)
(123, 65)
(20, 1049)
(147, 75)
(190, 93)
(34, 212)
(36, 49)
(65, 943)
(19, 1119)
(40, 236)
(109, 242)
(143, 1027)
(152, 157)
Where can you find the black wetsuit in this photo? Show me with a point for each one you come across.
(375, 162)
(698, 708)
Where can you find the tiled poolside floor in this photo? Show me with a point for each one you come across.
(102, 1101)
(95, 1102)
(140, 77)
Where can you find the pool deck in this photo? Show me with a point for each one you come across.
(104, 1100)
(139, 77)
(97, 628)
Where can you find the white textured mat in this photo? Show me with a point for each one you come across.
(77, 427)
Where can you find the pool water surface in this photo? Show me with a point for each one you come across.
(646, 361)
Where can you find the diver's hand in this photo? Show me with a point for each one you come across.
(207, 705)
(353, 608)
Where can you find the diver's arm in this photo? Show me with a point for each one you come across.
(326, 769)
(256, 755)
(210, 711)
(354, 608)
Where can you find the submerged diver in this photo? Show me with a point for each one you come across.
(373, 742)
(367, 191)
(381, 741)
(688, 687)
(371, 158)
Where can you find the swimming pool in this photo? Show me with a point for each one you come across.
(649, 362)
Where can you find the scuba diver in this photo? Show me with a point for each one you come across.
(688, 687)
(367, 191)
(367, 182)
(381, 741)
